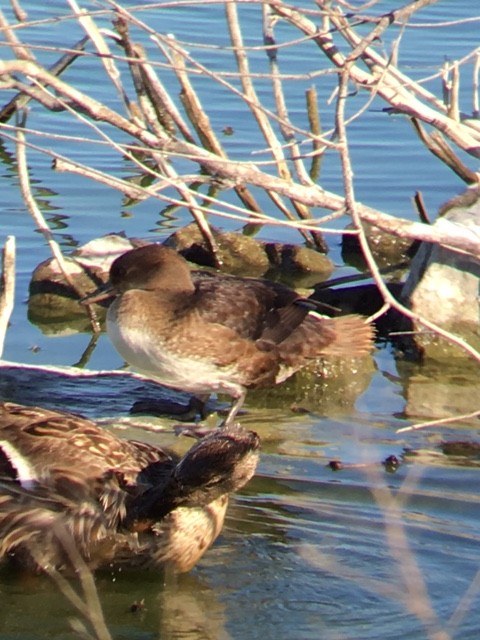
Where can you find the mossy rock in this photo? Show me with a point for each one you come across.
(53, 304)
(237, 254)
(326, 386)
(246, 256)
(387, 249)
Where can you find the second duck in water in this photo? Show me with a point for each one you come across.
(64, 481)
(205, 333)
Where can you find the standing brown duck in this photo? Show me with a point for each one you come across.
(121, 502)
(205, 333)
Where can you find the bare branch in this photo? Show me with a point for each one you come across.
(20, 50)
(437, 145)
(399, 92)
(439, 422)
(22, 99)
(40, 220)
(103, 50)
(20, 14)
(7, 288)
(475, 91)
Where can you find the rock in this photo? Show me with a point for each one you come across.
(295, 261)
(387, 249)
(440, 390)
(53, 304)
(443, 285)
(238, 254)
(243, 255)
(328, 386)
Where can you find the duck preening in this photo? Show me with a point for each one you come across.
(64, 481)
(205, 333)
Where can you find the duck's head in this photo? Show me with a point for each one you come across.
(151, 267)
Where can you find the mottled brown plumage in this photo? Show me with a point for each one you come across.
(65, 481)
(205, 333)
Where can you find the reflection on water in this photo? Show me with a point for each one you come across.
(134, 606)
(437, 390)
(321, 564)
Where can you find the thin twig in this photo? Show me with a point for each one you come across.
(130, 189)
(285, 126)
(41, 222)
(399, 91)
(263, 122)
(421, 208)
(95, 35)
(438, 422)
(21, 51)
(437, 145)
(22, 99)
(89, 605)
(7, 288)
(416, 597)
(363, 241)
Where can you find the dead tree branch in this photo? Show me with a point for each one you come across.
(7, 288)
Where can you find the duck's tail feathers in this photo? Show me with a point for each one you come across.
(353, 336)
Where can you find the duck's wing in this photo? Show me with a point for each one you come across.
(34, 440)
(26, 527)
(254, 308)
(281, 323)
(42, 524)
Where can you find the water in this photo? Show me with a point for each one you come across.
(306, 552)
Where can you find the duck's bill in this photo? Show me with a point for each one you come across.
(103, 292)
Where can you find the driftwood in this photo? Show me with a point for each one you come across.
(7, 288)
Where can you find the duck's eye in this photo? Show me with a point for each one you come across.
(119, 272)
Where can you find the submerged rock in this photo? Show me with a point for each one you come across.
(327, 386)
(436, 390)
(387, 249)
